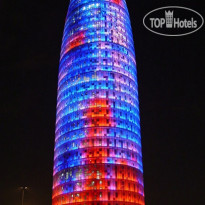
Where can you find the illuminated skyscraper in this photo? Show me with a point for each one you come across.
(98, 157)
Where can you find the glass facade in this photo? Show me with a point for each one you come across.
(98, 157)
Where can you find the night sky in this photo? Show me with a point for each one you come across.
(171, 92)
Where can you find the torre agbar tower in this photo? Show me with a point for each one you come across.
(98, 158)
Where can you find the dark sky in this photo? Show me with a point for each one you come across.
(171, 89)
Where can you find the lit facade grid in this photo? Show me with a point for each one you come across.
(98, 158)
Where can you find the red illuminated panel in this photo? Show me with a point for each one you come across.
(75, 41)
(98, 113)
(116, 1)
